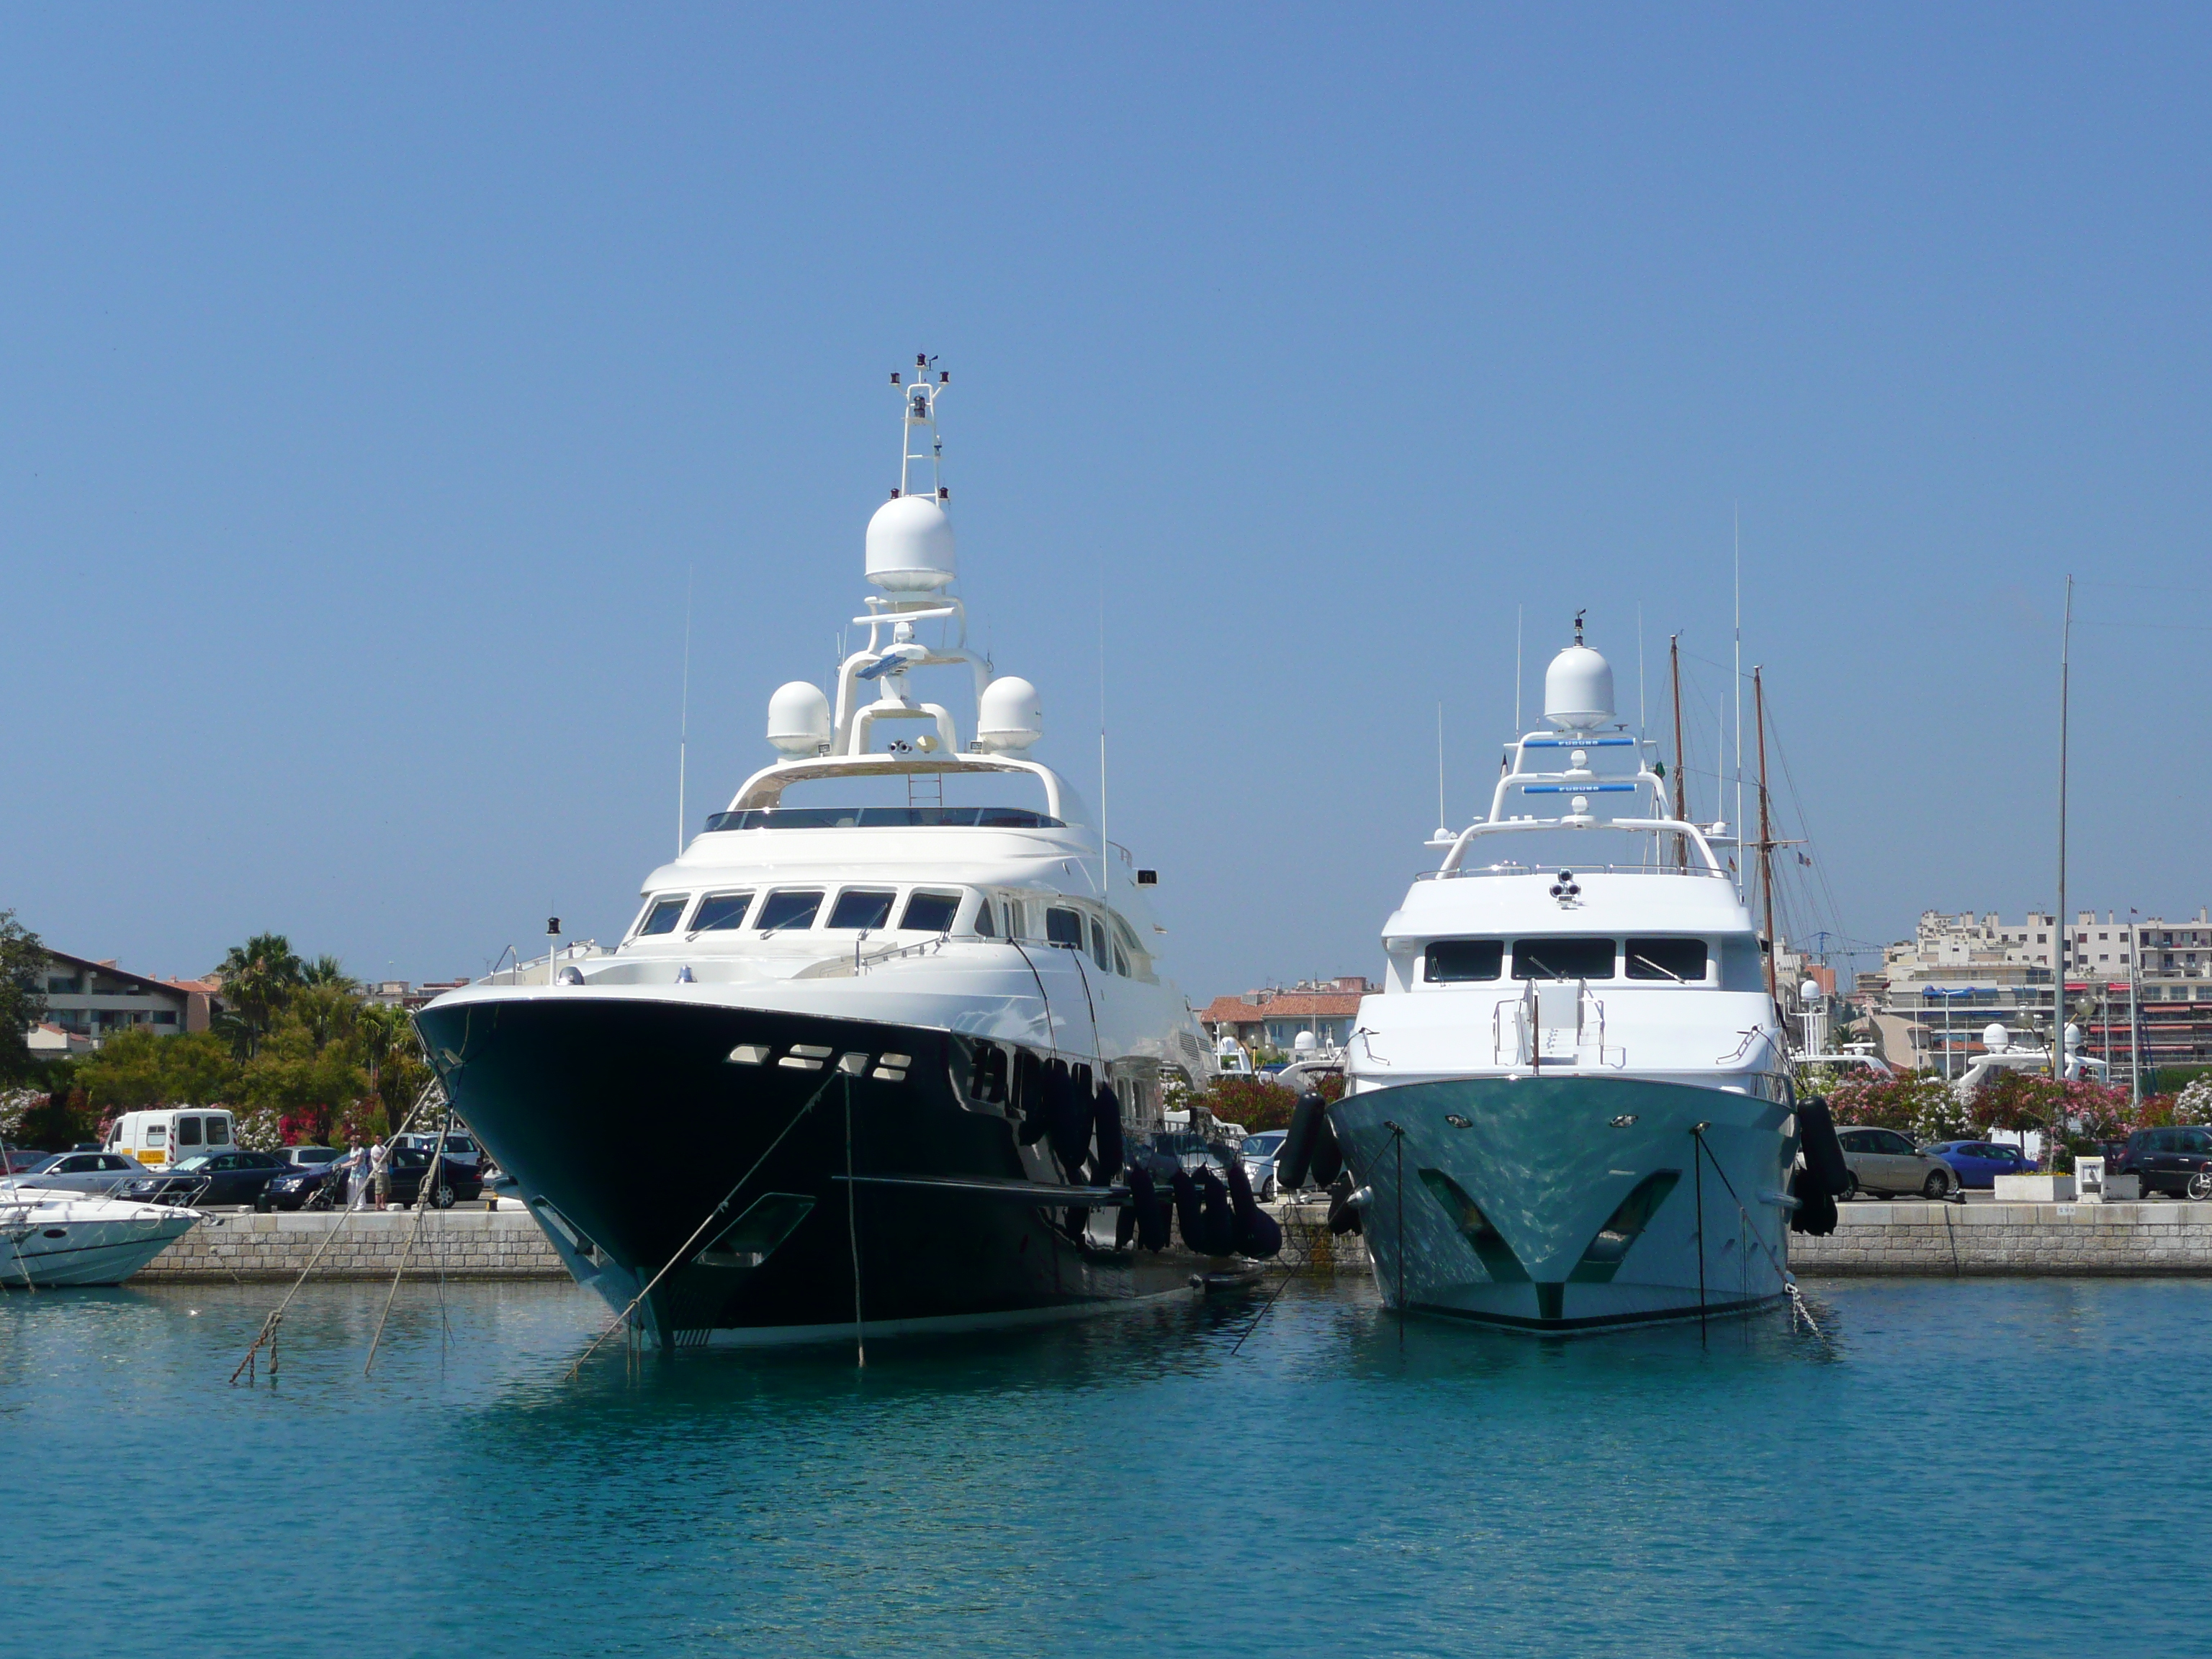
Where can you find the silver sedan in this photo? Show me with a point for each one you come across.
(98, 1173)
(1885, 1163)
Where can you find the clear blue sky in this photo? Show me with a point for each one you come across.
(371, 380)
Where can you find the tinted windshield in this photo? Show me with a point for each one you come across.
(1679, 959)
(1563, 958)
(1454, 960)
(664, 914)
(789, 907)
(720, 910)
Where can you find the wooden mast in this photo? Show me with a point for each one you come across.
(1681, 796)
(1765, 836)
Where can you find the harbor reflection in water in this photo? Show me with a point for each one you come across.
(1120, 1485)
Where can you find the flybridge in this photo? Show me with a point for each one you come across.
(879, 725)
(1602, 766)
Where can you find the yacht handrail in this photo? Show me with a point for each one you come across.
(766, 786)
(1695, 835)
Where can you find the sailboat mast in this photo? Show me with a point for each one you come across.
(1682, 785)
(1765, 834)
(2065, 931)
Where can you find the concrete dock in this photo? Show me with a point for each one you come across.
(2055, 1240)
(461, 1243)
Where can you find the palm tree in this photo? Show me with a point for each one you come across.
(325, 972)
(258, 978)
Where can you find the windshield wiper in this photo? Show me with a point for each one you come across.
(1657, 969)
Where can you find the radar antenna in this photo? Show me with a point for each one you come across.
(920, 400)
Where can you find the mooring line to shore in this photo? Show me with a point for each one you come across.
(424, 1197)
(267, 1337)
(623, 1318)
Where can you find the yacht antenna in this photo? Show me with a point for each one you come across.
(1444, 823)
(920, 400)
(1105, 847)
(1741, 872)
(683, 719)
(1682, 785)
(1765, 836)
(2065, 929)
(1517, 670)
(1642, 709)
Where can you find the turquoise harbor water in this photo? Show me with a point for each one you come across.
(2009, 1466)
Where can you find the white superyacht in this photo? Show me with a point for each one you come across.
(1569, 1108)
(868, 1062)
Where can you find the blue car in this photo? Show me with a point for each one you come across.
(1979, 1163)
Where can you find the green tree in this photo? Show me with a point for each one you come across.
(391, 1055)
(326, 972)
(258, 980)
(22, 994)
(135, 1069)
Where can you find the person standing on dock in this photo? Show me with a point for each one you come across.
(379, 1171)
(356, 1175)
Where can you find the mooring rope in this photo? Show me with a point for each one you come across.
(424, 1197)
(1788, 1283)
(621, 1318)
(267, 1334)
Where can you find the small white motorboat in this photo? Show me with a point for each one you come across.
(53, 1237)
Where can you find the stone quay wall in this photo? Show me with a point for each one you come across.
(1308, 1244)
(462, 1244)
(2056, 1240)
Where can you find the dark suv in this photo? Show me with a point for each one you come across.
(2178, 1161)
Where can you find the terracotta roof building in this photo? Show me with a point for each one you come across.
(1273, 1018)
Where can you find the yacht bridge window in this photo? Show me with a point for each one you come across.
(933, 913)
(789, 907)
(1682, 961)
(662, 914)
(1064, 928)
(1563, 958)
(1456, 961)
(862, 907)
(719, 912)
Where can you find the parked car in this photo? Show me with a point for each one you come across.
(460, 1146)
(306, 1157)
(306, 1185)
(1883, 1162)
(1979, 1163)
(1259, 1152)
(15, 1159)
(411, 1172)
(82, 1172)
(2177, 1162)
(209, 1178)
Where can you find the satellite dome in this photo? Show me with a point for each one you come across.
(799, 718)
(910, 545)
(1008, 718)
(1305, 1043)
(1578, 689)
(1996, 1038)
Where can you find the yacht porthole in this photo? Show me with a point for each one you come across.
(896, 1059)
(810, 1050)
(749, 1053)
(887, 1074)
(800, 1063)
(852, 1065)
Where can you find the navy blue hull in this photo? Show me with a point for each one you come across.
(626, 1124)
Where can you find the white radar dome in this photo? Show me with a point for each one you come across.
(910, 545)
(1009, 718)
(1996, 1039)
(799, 718)
(1304, 1043)
(1578, 689)
(1810, 991)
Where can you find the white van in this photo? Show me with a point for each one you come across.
(173, 1133)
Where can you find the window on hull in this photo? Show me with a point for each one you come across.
(662, 914)
(721, 912)
(862, 907)
(1563, 958)
(789, 907)
(1460, 961)
(1680, 961)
